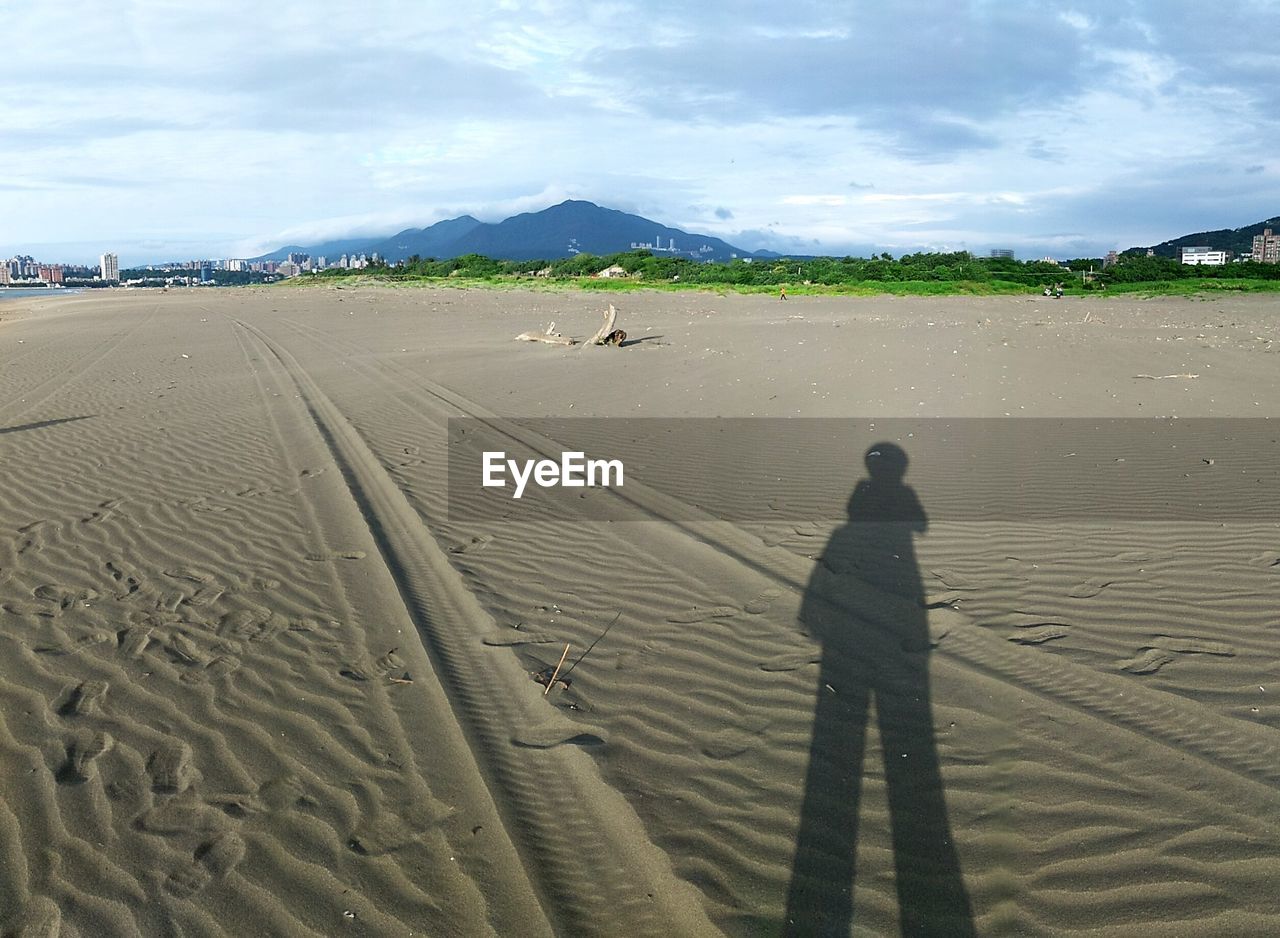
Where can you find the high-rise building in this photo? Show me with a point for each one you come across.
(110, 267)
(1266, 248)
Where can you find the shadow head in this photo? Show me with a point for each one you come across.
(886, 462)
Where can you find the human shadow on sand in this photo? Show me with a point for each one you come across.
(865, 604)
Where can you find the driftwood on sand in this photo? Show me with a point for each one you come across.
(548, 336)
(610, 316)
(605, 335)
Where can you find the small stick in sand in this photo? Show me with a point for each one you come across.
(592, 645)
(556, 672)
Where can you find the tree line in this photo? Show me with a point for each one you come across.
(953, 267)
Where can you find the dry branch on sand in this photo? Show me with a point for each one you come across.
(605, 335)
(606, 329)
(549, 336)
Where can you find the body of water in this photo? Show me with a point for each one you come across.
(13, 293)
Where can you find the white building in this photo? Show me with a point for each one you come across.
(1205, 256)
(110, 267)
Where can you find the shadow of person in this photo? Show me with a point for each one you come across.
(865, 604)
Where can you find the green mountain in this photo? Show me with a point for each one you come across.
(572, 227)
(1239, 241)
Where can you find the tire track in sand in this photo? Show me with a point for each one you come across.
(583, 844)
(1242, 755)
(437, 743)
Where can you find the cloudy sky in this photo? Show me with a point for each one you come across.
(169, 130)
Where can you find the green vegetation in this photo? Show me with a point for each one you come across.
(911, 274)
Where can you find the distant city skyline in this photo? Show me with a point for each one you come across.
(161, 132)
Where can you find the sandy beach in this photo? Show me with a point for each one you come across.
(263, 672)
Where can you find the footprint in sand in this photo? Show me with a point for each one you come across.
(84, 746)
(1194, 646)
(381, 831)
(943, 598)
(128, 581)
(1038, 635)
(104, 511)
(734, 740)
(73, 646)
(64, 597)
(1147, 662)
(703, 614)
(762, 602)
(389, 665)
(1090, 587)
(250, 625)
(1152, 659)
(134, 641)
(181, 815)
(172, 767)
(205, 596)
(337, 555)
(26, 609)
(186, 573)
(219, 667)
(201, 504)
(473, 546)
(83, 698)
(183, 650)
(212, 861)
(33, 537)
(772, 538)
(956, 581)
(1139, 556)
(792, 661)
(282, 793)
(131, 794)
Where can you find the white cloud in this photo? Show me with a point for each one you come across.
(158, 123)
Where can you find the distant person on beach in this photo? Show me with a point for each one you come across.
(782, 293)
